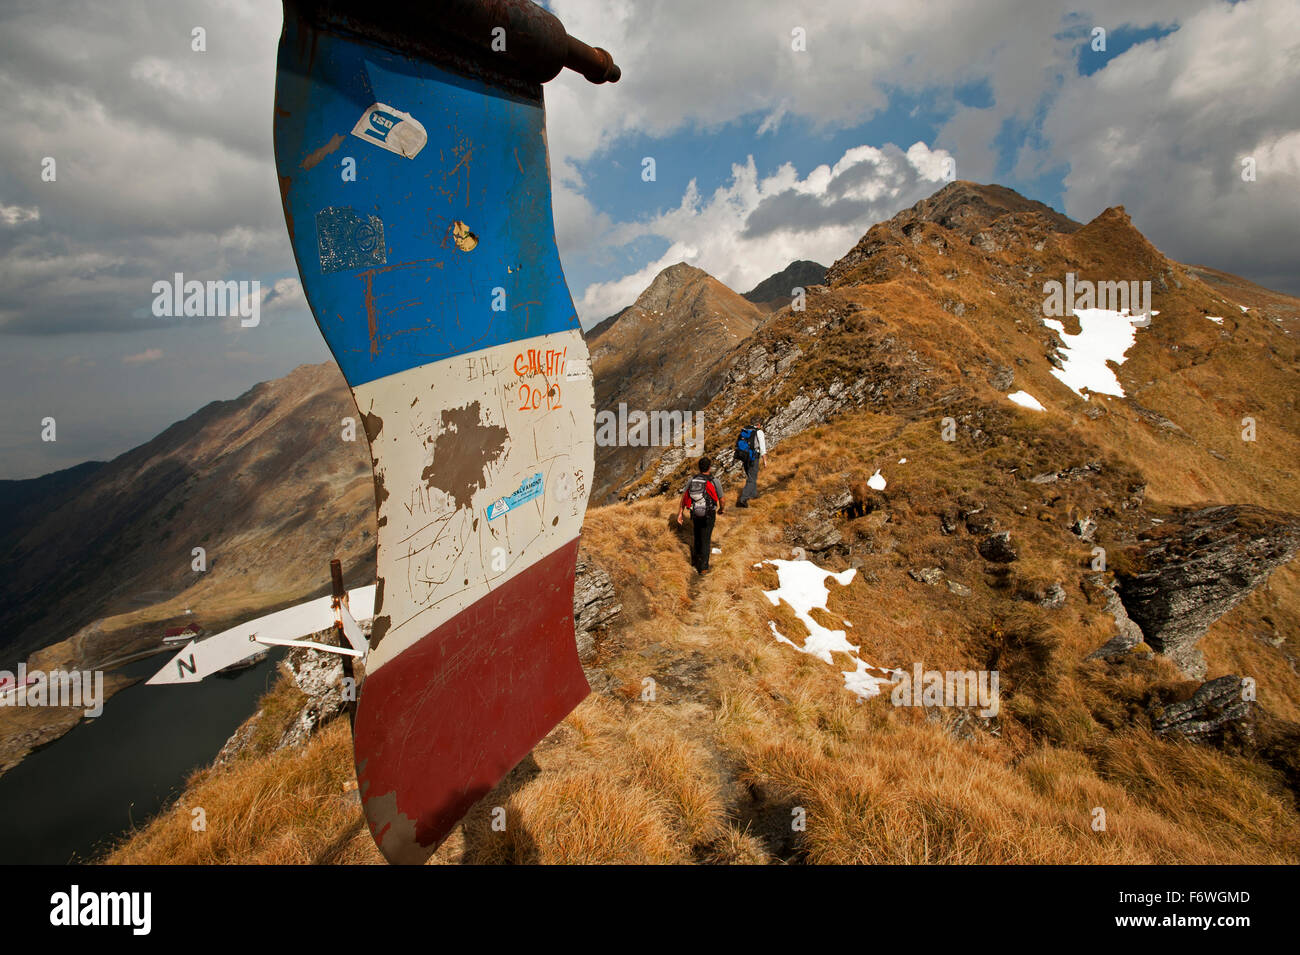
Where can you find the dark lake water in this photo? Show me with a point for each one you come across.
(63, 802)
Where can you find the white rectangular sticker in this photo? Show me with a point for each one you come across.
(391, 129)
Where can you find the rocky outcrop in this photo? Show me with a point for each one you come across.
(998, 548)
(595, 604)
(1216, 712)
(1198, 566)
(1049, 596)
(1128, 636)
(772, 371)
(319, 676)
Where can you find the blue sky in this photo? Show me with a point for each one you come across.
(765, 152)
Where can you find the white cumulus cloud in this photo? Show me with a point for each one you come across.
(753, 226)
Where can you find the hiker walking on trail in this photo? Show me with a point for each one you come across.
(703, 495)
(751, 451)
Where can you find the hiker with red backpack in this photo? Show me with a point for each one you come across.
(703, 495)
(751, 451)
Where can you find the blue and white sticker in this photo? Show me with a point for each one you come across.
(391, 129)
(531, 488)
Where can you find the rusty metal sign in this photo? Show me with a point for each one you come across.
(410, 145)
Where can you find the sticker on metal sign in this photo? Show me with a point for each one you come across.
(391, 129)
(349, 240)
(562, 488)
(576, 368)
(528, 490)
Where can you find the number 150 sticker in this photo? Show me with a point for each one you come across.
(391, 129)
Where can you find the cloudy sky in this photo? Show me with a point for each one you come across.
(763, 154)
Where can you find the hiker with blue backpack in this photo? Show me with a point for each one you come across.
(703, 495)
(751, 451)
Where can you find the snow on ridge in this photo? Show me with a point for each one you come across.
(802, 585)
(1104, 336)
(1216, 319)
(1026, 400)
(877, 481)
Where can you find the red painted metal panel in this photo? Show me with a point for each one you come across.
(441, 724)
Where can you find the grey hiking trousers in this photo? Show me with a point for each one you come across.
(750, 490)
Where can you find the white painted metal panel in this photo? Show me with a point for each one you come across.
(480, 476)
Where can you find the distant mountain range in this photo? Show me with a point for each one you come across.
(265, 484)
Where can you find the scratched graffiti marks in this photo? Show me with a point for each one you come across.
(465, 449)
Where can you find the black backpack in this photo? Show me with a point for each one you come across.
(701, 503)
(745, 450)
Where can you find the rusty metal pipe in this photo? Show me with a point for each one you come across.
(593, 62)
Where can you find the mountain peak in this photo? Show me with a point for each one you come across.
(776, 288)
(986, 216)
(666, 283)
(963, 205)
(1113, 230)
(665, 351)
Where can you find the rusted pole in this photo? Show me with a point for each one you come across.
(341, 600)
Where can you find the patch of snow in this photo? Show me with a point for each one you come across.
(1215, 319)
(717, 550)
(1243, 308)
(902, 460)
(1104, 336)
(802, 585)
(877, 481)
(1026, 400)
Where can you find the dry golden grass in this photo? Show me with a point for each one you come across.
(290, 807)
(744, 730)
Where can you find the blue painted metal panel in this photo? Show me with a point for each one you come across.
(381, 268)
